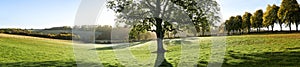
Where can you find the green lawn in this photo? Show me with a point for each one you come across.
(263, 50)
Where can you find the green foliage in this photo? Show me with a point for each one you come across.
(136, 31)
(202, 14)
(228, 25)
(205, 26)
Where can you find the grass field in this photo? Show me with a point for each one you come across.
(260, 50)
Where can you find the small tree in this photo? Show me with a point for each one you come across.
(239, 22)
(246, 21)
(230, 25)
(227, 26)
(135, 32)
(270, 16)
(256, 19)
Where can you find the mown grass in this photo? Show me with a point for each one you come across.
(25, 51)
(260, 50)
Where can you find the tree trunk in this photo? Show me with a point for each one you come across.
(174, 35)
(280, 26)
(297, 26)
(160, 58)
(139, 37)
(203, 32)
(268, 28)
(290, 26)
(228, 32)
(168, 35)
(249, 29)
(160, 52)
(257, 30)
(272, 26)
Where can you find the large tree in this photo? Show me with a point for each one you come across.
(289, 12)
(159, 16)
(257, 19)
(270, 16)
(246, 21)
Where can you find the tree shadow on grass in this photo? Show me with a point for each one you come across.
(266, 59)
(39, 64)
(176, 42)
(121, 46)
(295, 48)
(56, 64)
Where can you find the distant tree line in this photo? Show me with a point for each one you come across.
(288, 13)
(62, 35)
(102, 32)
(105, 32)
(60, 28)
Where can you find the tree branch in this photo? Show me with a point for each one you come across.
(164, 9)
(149, 4)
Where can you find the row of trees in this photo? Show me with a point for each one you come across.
(105, 32)
(102, 32)
(288, 13)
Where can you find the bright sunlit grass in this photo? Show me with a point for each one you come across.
(267, 50)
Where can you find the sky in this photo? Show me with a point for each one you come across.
(37, 13)
(239, 7)
(41, 14)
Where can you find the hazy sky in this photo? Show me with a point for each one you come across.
(49, 13)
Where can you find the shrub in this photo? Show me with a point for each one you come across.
(2, 31)
(51, 35)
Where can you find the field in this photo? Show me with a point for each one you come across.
(260, 50)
